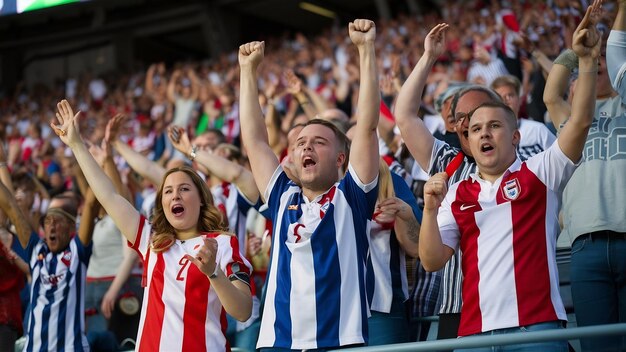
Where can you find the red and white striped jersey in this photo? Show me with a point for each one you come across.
(180, 311)
(507, 234)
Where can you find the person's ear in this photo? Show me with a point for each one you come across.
(516, 137)
(341, 158)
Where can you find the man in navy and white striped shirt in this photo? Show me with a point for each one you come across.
(316, 292)
(58, 265)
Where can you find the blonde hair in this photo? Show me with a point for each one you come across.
(385, 183)
(210, 219)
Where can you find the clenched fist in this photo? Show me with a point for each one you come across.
(251, 54)
(435, 191)
(362, 31)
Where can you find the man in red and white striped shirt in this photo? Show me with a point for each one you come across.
(504, 218)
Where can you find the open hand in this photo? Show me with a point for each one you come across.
(586, 41)
(179, 138)
(67, 129)
(435, 42)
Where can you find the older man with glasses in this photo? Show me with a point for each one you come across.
(435, 156)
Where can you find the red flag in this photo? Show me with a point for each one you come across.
(386, 112)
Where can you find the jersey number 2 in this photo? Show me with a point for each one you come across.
(184, 263)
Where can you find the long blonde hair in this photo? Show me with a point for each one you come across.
(385, 183)
(210, 219)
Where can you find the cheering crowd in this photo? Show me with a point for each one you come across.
(318, 193)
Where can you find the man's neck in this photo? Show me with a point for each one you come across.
(493, 175)
(311, 194)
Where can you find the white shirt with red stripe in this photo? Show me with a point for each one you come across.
(507, 234)
(181, 312)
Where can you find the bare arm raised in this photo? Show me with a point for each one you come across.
(224, 169)
(417, 137)
(148, 169)
(557, 85)
(364, 156)
(263, 161)
(126, 217)
(9, 205)
(586, 44)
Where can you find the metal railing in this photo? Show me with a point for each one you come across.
(501, 340)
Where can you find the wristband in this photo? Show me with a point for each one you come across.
(568, 59)
(192, 153)
(215, 272)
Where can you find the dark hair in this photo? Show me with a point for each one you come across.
(210, 219)
(220, 135)
(23, 180)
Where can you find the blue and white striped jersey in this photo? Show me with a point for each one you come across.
(315, 289)
(57, 300)
(386, 264)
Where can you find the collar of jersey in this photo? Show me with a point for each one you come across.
(516, 166)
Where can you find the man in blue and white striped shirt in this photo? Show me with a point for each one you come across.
(316, 292)
(58, 265)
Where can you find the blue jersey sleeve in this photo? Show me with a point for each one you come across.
(84, 252)
(25, 252)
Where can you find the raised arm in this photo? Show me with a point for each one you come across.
(149, 83)
(125, 216)
(295, 88)
(5, 176)
(263, 161)
(616, 51)
(195, 83)
(9, 205)
(171, 86)
(88, 218)
(104, 157)
(417, 137)
(145, 167)
(224, 169)
(364, 156)
(432, 252)
(557, 84)
(586, 45)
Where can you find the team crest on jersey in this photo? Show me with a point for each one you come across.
(511, 189)
(325, 206)
(66, 259)
(292, 207)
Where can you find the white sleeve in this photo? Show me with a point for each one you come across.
(448, 228)
(616, 61)
(552, 167)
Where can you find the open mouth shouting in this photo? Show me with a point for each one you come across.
(177, 210)
(308, 162)
(52, 239)
(486, 148)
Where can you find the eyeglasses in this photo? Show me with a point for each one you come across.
(459, 117)
(52, 220)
